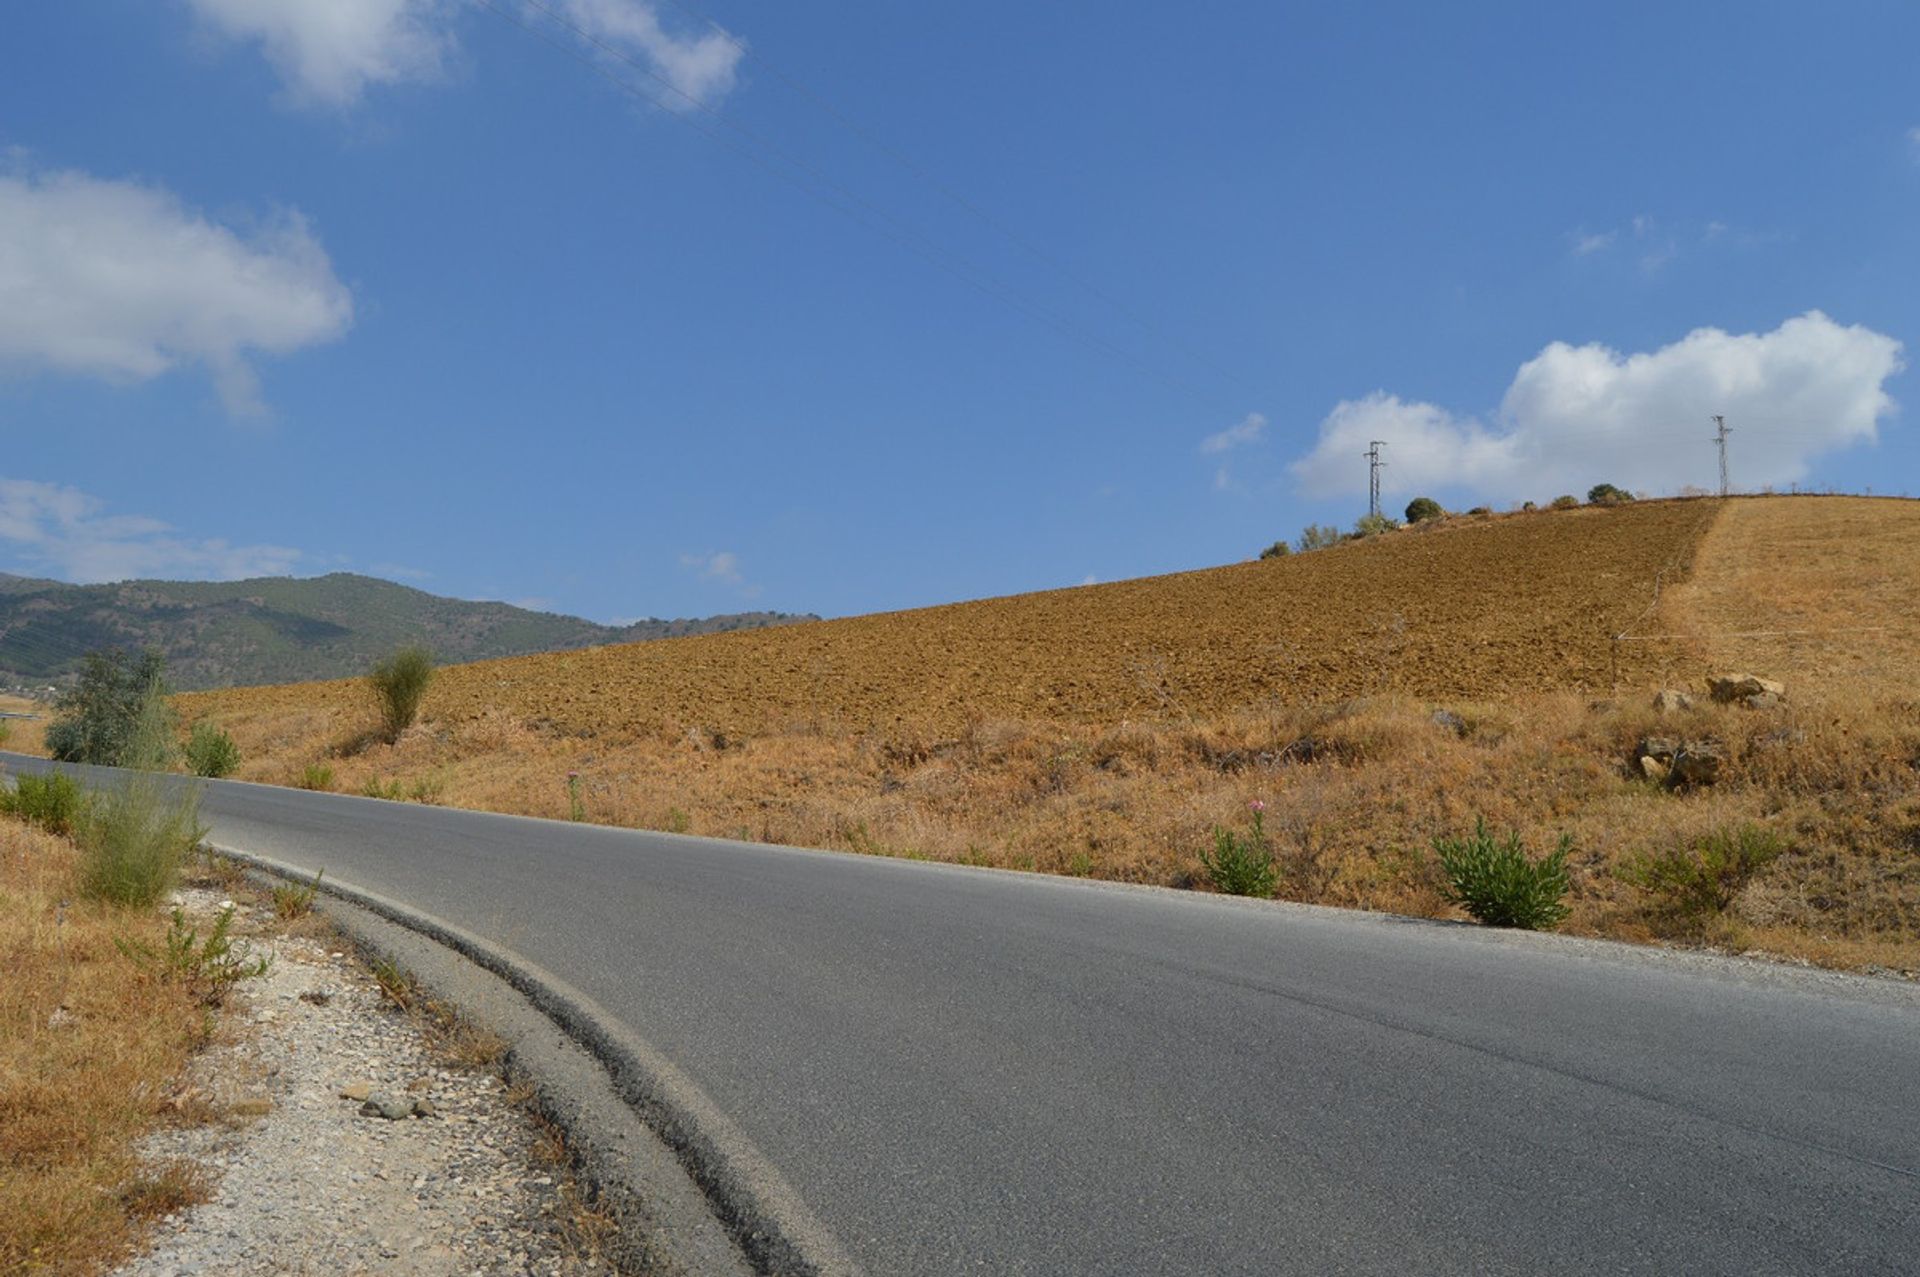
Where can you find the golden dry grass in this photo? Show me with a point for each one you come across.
(1126, 721)
(25, 736)
(89, 1047)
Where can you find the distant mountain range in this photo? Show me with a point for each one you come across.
(286, 629)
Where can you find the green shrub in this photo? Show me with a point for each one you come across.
(1278, 550)
(6, 731)
(1566, 501)
(317, 776)
(211, 752)
(51, 800)
(1694, 883)
(1607, 494)
(135, 836)
(1421, 509)
(1318, 536)
(1528, 505)
(399, 682)
(209, 967)
(1242, 864)
(392, 790)
(98, 719)
(1372, 525)
(1500, 885)
(1481, 511)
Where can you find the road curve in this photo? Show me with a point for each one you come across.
(967, 1070)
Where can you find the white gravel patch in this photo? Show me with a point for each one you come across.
(305, 1183)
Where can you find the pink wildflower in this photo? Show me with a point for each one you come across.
(1256, 806)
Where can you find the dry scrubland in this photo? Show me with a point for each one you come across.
(1105, 731)
(90, 1045)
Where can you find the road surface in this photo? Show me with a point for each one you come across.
(971, 1071)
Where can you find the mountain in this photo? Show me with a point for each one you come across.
(287, 629)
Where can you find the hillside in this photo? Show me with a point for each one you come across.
(1374, 696)
(282, 629)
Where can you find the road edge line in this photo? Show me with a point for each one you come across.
(761, 1212)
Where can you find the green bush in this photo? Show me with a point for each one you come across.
(1278, 550)
(1500, 885)
(209, 967)
(1607, 494)
(1318, 536)
(135, 837)
(51, 800)
(97, 720)
(1421, 509)
(211, 752)
(1566, 501)
(317, 776)
(392, 790)
(1697, 882)
(1242, 864)
(1372, 525)
(399, 683)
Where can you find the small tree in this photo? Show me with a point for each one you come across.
(210, 751)
(1607, 494)
(1318, 536)
(1278, 550)
(399, 683)
(98, 719)
(1566, 501)
(1420, 509)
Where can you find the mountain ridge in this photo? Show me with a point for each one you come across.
(290, 629)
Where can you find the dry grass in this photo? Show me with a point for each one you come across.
(1277, 681)
(89, 1047)
(24, 736)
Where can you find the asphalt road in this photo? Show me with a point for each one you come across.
(969, 1071)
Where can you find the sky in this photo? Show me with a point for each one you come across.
(631, 308)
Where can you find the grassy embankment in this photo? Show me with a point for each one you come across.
(1105, 731)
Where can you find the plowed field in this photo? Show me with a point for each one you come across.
(1471, 610)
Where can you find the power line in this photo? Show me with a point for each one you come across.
(834, 195)
(1374, 465)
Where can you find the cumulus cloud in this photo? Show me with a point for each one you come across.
(330, 52)
(715, 565)
(62, 532)
(1247, 431)
(1586, 244)
(701, 69)
(1577, 415)
(119, 280)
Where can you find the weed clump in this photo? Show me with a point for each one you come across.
(209, 967)
(1242, 864)
(399, 683)
(137, 833)
(1500, 885)
(295, 899)
(211, 752)
(316, 776)
(53, 801)
(1693, 884)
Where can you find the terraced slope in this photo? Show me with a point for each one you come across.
(1470, 610)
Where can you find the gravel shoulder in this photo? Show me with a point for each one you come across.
(305, 1179)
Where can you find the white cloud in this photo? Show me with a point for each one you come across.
(329, 51)
(119, 280)
(1585, 245)
(1247, 431)
(717, 565)
(62, 532)
(701, 69)
(1578, 415)
(1913, 140)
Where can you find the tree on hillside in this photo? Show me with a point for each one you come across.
(399, 682)
(1318, 536)
(1607, 494)
(1279, 549)
(1420, 509)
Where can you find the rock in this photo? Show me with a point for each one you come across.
(425, 1108)
(1697, 764)
(391, 1107)
(1652, 768)
(1764, 700)
(356, 1091)
(1450, 721)
(1667, 701)
(1729, 689)
(1659, 748)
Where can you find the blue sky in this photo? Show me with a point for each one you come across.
(665, 310)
